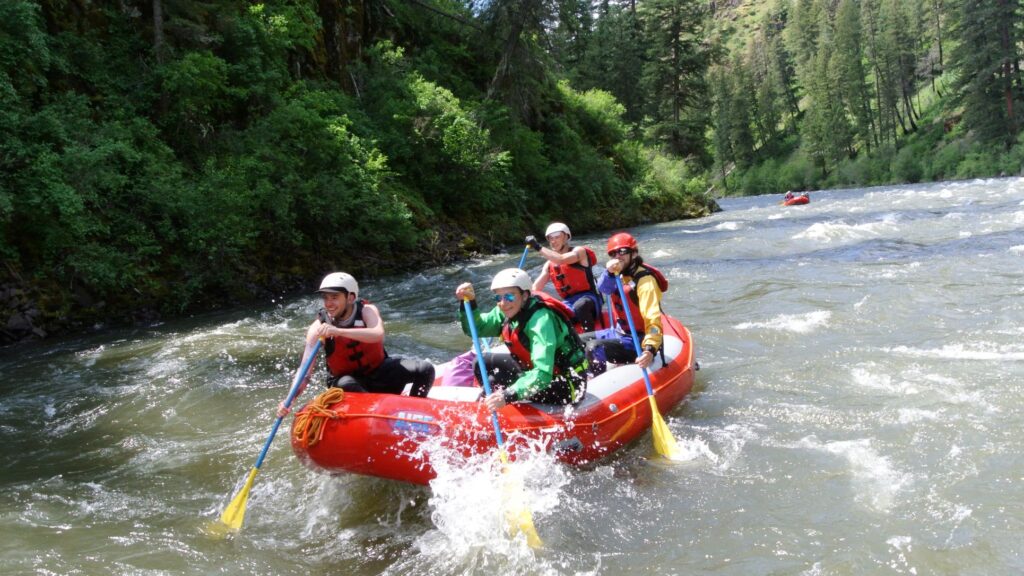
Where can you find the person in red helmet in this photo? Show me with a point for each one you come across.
(568, 269)
(644, 286)
(353, 336)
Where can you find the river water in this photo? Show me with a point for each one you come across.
(857, 411)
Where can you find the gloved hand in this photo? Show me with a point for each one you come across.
(532, 243)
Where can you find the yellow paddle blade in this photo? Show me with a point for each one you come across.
(664, 443)
(517, 513)
(520, 519)
(234, 514)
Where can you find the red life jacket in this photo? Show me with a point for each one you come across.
(573, 278)
(619, 313)
(348, 357)
(516, 340)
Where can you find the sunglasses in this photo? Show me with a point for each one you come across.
(507, 297)
(620, 252)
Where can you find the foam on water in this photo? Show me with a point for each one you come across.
(798, 323)
(882, 382)
(873, 477)
(840, 231)
(981, 351)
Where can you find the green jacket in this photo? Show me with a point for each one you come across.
(548, 338)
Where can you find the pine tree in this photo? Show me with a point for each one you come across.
(674, 73)
(614, 59)
(826, 132)
(849, 61)
(988, 80)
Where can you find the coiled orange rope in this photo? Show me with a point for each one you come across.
(308, 427)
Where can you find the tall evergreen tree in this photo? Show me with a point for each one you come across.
(614, 60)
(849, 62)
(742, 111)
(826, 132)
(881, 60)
(571, 35)
(520, 78)
(987, 84)
(674, 73)
(779, 60)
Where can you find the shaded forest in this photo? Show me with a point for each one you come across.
(164, 157)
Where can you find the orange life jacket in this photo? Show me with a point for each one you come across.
(633, 302)
(519, 345)
(346, 356)
(573, 278)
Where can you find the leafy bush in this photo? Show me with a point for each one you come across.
(762, 178)
(977, 164)
(945, 160)
(797, 173)
(906, 167)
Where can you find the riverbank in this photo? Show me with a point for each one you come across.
(40, 309)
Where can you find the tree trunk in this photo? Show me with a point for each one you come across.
(342, 40)
(1008, 50)
(158, 31)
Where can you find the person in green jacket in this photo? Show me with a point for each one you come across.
(546, 361)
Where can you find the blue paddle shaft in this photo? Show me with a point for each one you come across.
(632, 332)
(288, 401)
(608, 303)
(483, 366)
(522, 259)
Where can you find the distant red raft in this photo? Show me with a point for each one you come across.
(795, 200)
(378, 434)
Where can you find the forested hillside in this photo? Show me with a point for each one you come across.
(829, 93)
(159, 157)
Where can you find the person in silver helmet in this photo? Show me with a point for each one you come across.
(546, 362)
(353, 336)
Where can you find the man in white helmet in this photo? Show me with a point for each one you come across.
(546, 361)
(569, 270)
(353, 335)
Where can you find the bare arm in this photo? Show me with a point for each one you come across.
(577, 254)
(541, 280)
(373, 332)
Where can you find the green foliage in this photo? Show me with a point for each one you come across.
(976, 164)
(24, 51)
(906, 167)
(246, 148)
(989, 46)
(598, 115)
(761, 179)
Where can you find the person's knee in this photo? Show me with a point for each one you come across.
(348, 384)
(584, 308)
(426, 370)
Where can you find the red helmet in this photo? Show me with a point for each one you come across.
(621, 240)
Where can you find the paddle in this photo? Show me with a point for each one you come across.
(664, 443)
(488, 343)
(608, 304)
(521, 518)
(231, 519)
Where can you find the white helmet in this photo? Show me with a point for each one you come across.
(558, 227)
(510, 277)
(339, 282)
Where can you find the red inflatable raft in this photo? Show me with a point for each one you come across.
(378, 434)
(796, 200)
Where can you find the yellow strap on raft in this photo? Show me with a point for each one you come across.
(308, 427)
